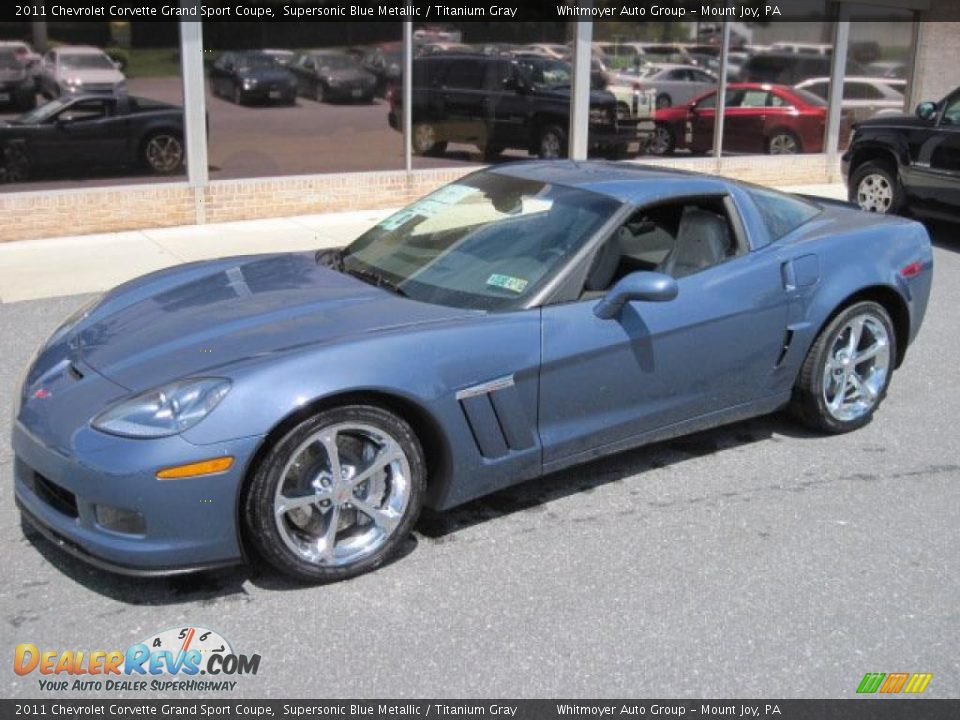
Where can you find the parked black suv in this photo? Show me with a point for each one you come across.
(900, 163)
(503, 102)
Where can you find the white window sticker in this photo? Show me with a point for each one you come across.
(517, 285)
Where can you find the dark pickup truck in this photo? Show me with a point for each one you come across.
(87, 131)
(499, 102)
(908, 163)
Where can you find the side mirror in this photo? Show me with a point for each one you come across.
(643, 286)
(926, 110)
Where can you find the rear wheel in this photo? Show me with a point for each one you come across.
(663, 101)
(875, 187)
(784, 142)
(337, 495)
(425, 140)
(662, 142)
(847, 371)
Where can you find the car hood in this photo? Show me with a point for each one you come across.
(92, 76)
(199, 318)
(894, 121)
(8, 74)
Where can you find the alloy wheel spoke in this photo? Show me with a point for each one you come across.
(288, 503)
(385, 456)
(329, 442)
(329, 537)
(384, 518)
(870, 353)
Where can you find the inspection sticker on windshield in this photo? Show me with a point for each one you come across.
(517, 285)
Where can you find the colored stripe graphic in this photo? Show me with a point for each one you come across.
(871, 682)
(918, 682)
(894, 683)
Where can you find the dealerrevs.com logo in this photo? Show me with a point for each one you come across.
(178, 659)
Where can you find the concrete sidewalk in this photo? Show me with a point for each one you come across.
(53, 267)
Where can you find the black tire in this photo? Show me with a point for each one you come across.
(425, 142)
(14, 164)
(237, 95)
(663, 141)
(163, 152)
(808, 403)
(552, 142)
(258, 512)
(784, 142)
(663, 101)
(878, 169)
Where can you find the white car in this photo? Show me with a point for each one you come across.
(863, 97)
(673, 84)
(76, 69)
(804, 48)
(25, 54)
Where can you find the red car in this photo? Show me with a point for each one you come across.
(759, 118)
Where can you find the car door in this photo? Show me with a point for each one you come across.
(937, 164)
(90, 131)
(504, 105)
(462, 97)
(219, 74)
(607, 383)
(700, 122)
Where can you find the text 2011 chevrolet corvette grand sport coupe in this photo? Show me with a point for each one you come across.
(304, 407)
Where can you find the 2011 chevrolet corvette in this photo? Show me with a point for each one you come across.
(525, 318)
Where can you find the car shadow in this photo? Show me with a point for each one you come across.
(231, 584)
(944, 235)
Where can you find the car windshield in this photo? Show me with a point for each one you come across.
(257, 61)
(9, 61)
(335, 62)
(485, 242)
(86, 62)
(42, 113)
(545, 72)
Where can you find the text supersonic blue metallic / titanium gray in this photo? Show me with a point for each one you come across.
(304, 407)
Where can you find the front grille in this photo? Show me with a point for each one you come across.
(58, 498)
(98, 88)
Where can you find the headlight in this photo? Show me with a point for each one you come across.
(164, 411)
(249, 83)
(333, 82)
(121, 87)
(73, 82)
(71, 322)
(599, 116)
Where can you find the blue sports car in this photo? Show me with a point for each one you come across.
(304, 407)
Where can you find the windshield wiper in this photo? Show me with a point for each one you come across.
(331, 258)
(377, 280)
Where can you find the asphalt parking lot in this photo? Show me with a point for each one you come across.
(754, 560)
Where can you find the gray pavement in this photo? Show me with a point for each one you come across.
(753, 560)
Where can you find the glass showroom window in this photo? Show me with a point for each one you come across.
(301, 98)
(91, 103)
(488, 92)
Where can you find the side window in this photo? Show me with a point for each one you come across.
(497, 73)
(951, 113)
(675, 238)
(754, 98)
(709, 102)
(781, 213)
(465, 75)
(85, 110)
(676, 75)
(774, 100)
(819, 89)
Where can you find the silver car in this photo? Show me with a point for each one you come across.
(863, 97)
(79, 69)
(673, 84)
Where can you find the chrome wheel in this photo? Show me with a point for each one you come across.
(424, 138)
(784, 144)
(875, 193)
(342, 494)
(855, 373)
(164, 153)
(661, 143)
(550, 146)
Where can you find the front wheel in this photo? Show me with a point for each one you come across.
(847, 371)
(663, 101)
(163, 153)
(552, 143)
(337, 495)
(783, 142)
(425, 140)
(874, 186)
(237, 95)
(663, 142)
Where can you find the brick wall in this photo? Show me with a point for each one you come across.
(936, 70)
(75, 212)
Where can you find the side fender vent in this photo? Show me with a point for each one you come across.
(787, 340)
(496, 417)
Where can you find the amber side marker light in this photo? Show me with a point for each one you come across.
(204, 467)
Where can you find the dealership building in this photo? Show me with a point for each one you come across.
(258, 160)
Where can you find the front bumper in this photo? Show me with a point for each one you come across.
(350, 92)
(270, 93)
(188, 524)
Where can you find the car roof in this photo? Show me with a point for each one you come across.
(78, 50)
(626, 182)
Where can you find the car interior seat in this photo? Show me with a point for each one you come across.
(703, 239)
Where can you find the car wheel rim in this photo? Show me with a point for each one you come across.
(661, 141)
(875, 193)
(164, 153)
(783, 145)
(550, 146)
(425, 137)
(342, 494)
(663, 102)
(856, 369)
